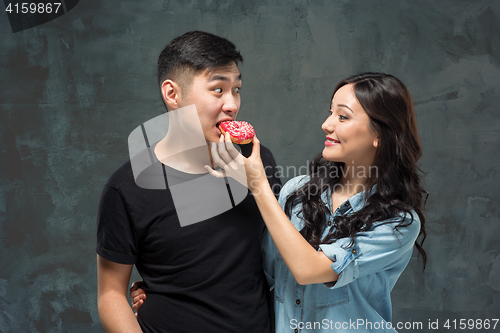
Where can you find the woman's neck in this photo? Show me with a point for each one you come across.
(354, 180)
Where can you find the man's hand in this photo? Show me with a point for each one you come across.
(138, 295)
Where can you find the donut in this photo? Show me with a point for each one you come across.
(241, 132)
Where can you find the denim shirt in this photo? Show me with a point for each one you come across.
(360, 300)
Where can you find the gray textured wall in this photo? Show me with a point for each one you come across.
(72, 90)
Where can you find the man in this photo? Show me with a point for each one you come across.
(204, 276)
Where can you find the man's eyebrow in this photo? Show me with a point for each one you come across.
(220, 77)
(345, 106)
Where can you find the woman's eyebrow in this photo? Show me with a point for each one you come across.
(345, 106)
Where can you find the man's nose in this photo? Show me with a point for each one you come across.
(231, 103)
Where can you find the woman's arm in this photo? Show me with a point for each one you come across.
(307, 265)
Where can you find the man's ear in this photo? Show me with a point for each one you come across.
(171, 93)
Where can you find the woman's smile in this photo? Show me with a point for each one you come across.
(331, 142)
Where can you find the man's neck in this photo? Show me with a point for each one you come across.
(184, 147)
(191, 160)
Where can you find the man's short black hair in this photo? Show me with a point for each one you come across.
(193, 52)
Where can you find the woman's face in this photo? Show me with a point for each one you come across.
(349, 136)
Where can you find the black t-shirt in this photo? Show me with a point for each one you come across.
(202, 277)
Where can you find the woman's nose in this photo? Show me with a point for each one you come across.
(328, 125)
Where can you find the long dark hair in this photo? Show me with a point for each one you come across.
(389, 106)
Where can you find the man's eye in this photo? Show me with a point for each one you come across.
(218, 90)
(330, 113)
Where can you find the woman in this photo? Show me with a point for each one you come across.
(354, 220)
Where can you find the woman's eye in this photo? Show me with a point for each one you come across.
(237, 90)
(341, 117)
(218, 90)
(330, 113)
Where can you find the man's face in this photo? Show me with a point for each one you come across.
(216, 95)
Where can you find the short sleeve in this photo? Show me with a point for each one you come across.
(380, 249)
(116, 236)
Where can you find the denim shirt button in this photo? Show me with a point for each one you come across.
(296, 330)
(329, 224)
(354, 251)
(297, 301)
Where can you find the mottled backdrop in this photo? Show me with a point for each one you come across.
(72, 89)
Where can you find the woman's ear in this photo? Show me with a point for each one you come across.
(375, 142)
(171, 93)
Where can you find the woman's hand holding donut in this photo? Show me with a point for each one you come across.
(247, 171)
(256, 175)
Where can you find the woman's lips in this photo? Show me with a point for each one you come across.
(331, 142)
